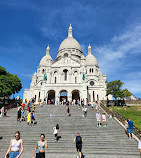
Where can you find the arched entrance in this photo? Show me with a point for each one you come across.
(63, 95)
(76, 95)
(51, 97)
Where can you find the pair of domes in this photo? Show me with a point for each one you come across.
(70, 43)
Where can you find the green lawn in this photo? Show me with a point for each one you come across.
(133, 112)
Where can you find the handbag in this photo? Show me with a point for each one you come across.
(7, 156)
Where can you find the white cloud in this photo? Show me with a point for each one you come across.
(117, 56)
(112, 55)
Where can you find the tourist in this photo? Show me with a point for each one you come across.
(98, 118)
(40, 147)
(85, 111)
(15, 146)
(23, 105)
(34, 107)
(19, 114)
(78, 140)
(2, 111)
(32, 118)
(57, 102)
(48, 101)
(96, 105)
(5, 111)
(44, 101)
(68, 111)
(22, 114)
(130, 129)
(103, 119)
(26, 101)
(55, 132)
(28, 118)
(139, 145)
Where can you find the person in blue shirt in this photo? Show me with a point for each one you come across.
(130, 129)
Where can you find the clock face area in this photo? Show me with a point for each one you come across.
(92, 83)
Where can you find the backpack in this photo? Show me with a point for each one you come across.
(78, 140)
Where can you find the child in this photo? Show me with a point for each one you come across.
(28, 118)
(104, 119)
(34, 107)
(32, 118)
(98, 118)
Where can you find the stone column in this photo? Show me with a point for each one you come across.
(69, 98)
(42, 95)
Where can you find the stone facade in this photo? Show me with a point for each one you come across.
(71, 76)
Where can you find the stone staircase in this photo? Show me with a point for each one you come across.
(99, 142)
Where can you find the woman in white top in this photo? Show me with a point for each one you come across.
(103, 119)
(16, 147)
(55, 132)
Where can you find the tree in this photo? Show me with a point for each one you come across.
(114, 88)
(9, 83)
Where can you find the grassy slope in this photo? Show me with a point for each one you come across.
(134, 113)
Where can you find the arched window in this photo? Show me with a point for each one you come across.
(43, 71)
(75, 79)
(55, 80)
(65, 74)
(92, 70)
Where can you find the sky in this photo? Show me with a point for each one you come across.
(112, 27)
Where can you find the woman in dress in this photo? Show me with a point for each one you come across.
(16, 147)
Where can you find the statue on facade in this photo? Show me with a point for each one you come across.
(45, 77)
(83, 76)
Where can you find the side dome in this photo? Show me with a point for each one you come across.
(90, 59)
(70, 42)
(46, 60)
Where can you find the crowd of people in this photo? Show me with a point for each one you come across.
(16, 145)
(30, 116)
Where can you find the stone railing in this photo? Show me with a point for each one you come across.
(136, 131)
(122, 102)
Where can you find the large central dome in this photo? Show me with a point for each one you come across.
(70, 44)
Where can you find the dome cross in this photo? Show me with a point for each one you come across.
(89, 49)
(47, 49)
(70, 31)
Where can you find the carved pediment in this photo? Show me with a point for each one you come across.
(65, 62)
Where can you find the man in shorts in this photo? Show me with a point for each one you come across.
(78, 140)
(130, 129)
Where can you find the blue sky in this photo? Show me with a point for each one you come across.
(112, 27)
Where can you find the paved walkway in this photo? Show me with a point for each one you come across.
(99, 142)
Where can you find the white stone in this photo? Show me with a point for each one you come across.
(70, 61)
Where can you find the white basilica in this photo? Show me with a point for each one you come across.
(71, 76)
